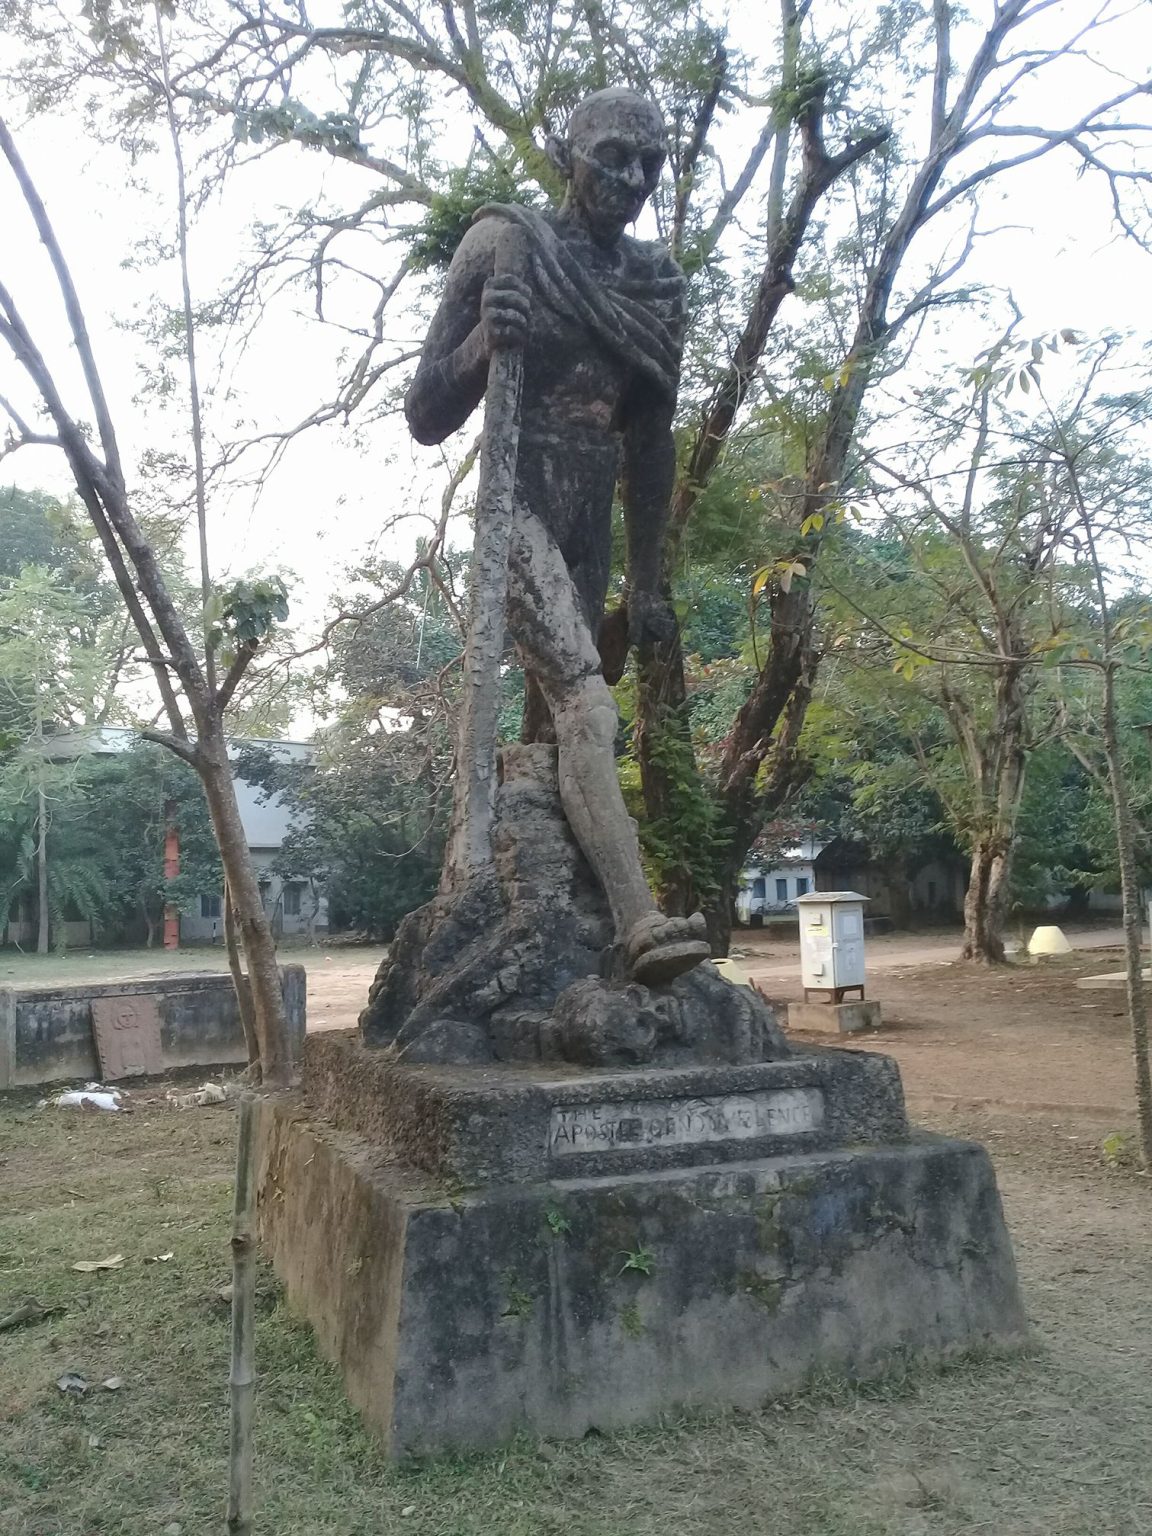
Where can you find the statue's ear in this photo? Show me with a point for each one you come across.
(557, 151)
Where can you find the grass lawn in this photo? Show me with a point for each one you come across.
(73, 966)
(1054, 1443)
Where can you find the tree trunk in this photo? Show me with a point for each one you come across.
(662, 739)
(41, 866)
(1130, 892)
(899, 898)
(718, 914)
(985, 901)
(255, 935)
(241, 985)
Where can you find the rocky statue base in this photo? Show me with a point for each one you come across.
(519, 965)
(492, 1250)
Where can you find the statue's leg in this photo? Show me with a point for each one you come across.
(553, 636)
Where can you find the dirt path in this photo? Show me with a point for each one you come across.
(890, 951)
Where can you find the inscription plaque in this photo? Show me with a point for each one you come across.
(577, 1128)
(127, 1030)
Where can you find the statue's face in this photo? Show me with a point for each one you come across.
(617, 152)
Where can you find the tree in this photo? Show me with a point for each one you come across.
(371, 806)
(969, 108)
(51, 678)
(961, 595)
(122, 807)
(1106, 486)
(235, 622)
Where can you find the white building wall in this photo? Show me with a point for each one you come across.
(765, 892)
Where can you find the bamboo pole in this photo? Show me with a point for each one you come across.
(242, 1378)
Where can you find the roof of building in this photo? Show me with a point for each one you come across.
(266, 820)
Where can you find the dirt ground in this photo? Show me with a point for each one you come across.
(1050, 1443)
(1021, 1037)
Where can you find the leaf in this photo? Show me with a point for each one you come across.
(761, 579)
(112, 1383)
(29, 1311)
(87, 1266)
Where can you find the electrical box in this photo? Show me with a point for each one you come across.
(832, 942)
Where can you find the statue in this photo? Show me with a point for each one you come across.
(583, 326)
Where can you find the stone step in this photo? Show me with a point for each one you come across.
(508, 1124)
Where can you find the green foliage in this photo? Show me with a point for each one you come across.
(638, 1260)
(31, 523)
(691, 836)
(369, 811)
(558, 1223)
(246, 612)
(290, 122)
(451, 211)
(1121, 1150)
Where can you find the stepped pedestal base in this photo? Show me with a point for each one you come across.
(487, 1253)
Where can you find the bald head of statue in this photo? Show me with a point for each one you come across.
(611, 158)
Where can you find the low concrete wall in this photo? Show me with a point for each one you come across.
(46, 1032)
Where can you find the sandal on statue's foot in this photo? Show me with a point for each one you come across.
(659, 948)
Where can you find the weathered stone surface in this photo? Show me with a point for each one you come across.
(498, 1124)
(833, 1018)
(46, 1032)
(459, 1317)
(523, 958)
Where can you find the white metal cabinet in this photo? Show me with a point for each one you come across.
(832, 942)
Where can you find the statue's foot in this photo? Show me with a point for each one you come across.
(659, 948)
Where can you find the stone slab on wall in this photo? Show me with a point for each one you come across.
(460, 1317)
(46, 1032)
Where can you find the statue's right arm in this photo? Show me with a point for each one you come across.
(453, 371)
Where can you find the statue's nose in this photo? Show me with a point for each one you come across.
(633, 175)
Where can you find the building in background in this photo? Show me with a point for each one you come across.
(931, 892)
(294, 907)
(771, 891)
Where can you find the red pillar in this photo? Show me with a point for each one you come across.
(171, 870)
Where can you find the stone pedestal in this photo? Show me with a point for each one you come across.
(493, 1250)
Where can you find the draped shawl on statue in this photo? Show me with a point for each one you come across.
(640, 320)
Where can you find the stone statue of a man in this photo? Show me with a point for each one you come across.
(600, 318)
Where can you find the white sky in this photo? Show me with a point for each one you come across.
(335, 490)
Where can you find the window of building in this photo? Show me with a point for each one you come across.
(781, 890)
(209, 906)
(801, 885)
(759, 889)
(292, 900)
